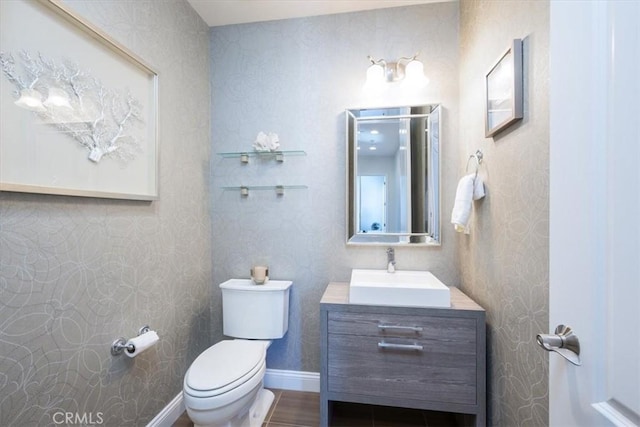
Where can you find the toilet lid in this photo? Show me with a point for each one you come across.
(224, 363)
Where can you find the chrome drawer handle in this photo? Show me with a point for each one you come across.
(402, 328)
(391, 346)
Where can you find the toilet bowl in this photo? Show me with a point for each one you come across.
(224, 385)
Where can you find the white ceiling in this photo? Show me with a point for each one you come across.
(225, 12)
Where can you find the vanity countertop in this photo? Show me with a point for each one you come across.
(337, 293)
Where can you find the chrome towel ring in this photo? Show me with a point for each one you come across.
(478, 156)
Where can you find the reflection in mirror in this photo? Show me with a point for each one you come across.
(393, 168)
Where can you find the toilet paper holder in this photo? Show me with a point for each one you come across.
(120, 344)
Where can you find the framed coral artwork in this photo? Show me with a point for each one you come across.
(78, 110)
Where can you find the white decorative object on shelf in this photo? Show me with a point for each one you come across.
(266, 142)
(76, 103)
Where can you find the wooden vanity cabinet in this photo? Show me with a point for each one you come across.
(411, 357)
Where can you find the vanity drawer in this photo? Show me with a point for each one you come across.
(413, 357)
(444, 329)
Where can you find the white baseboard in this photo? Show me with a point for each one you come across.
(169, 414)
(273, 378)
(292, 380)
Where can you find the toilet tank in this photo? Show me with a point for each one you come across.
(255, 311)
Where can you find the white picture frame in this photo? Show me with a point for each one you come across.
(104, 141)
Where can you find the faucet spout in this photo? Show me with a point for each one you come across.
(391, 260)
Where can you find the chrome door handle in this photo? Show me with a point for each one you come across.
(564, 342)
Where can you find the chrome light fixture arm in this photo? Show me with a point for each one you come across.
(393, 71)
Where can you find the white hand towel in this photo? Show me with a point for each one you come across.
(478, 188)
(462, 205)
(470, 187)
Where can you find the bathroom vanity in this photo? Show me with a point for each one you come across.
(412, 357)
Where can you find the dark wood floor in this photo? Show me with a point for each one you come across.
(302, 409)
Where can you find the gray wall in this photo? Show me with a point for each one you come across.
(296, 78)
(504, 261)
(76, 273)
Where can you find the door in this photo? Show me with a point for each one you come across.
(594, 269)
(373, 203)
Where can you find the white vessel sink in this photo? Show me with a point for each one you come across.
(402, 288)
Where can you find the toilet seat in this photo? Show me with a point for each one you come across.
(224, 367)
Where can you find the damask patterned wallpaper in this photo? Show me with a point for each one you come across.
(504, 261)
(296, 78)
(77, 273)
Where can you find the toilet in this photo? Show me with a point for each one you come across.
(224, 386)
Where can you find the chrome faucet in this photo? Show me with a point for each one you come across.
(391, 260)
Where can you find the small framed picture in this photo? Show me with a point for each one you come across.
(503, 90)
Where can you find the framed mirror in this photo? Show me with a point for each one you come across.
(393, 175)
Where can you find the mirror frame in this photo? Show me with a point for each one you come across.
(432, 238)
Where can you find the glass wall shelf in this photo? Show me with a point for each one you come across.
(279, 189)
(277, 155)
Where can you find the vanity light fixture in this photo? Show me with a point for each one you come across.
(406, 69)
